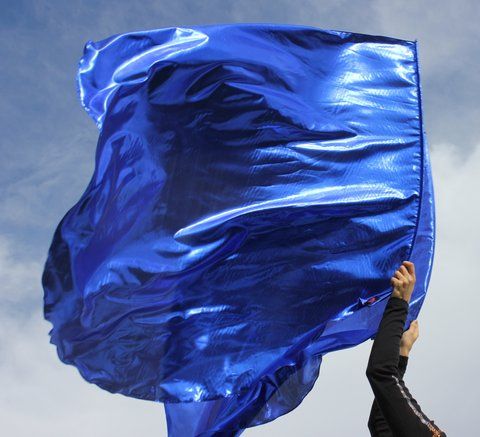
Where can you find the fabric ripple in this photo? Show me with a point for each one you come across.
(255, 187)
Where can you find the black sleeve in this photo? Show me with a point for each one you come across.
(377, 425)
(402, 413)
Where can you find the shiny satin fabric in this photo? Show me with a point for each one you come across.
(255, 188)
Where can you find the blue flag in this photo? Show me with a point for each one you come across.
(255, 188)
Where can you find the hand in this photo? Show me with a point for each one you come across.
(403, 281)
(408, 338)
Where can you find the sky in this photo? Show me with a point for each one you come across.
(47, 159)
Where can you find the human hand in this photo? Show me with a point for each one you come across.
(403, 281)
(408, 338)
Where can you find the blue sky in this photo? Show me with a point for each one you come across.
(47, 148)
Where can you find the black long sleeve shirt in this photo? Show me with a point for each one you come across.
(377, 424)
(394, 411)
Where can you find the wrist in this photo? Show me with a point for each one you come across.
(404, 351)
(399, 295)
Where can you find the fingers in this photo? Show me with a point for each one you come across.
(407, 274)
(396, 282)
(399, 276)
(411, 334)
(410, 267)
(413, 328)
(404, 271)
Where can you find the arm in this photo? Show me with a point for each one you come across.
(401, 411)
(377, 424)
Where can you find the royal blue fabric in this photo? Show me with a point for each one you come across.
(255, 188)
